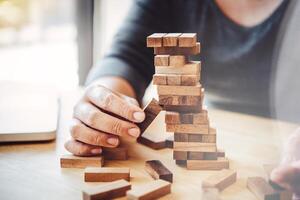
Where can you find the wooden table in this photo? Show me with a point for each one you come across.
(32, 171)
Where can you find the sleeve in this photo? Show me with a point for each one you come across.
(129, 57)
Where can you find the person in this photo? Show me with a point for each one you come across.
(237, 39)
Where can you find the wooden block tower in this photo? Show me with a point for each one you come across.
(181, 95)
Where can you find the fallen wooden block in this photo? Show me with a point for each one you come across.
(178, 50)
(155, 40)
(169, 142)
(117, 153)
(110, 190)
(187, 40)
(261, 189)
(186, 118)
(105, 174)
(188, 128)
(220, 180)
(149, 191)
(151, 110)
(158, 171)
(179, 100)
(171, 39)
(191, 68)
(70, 161)
(177, 60)
(176, 79)
(161, 60)
(221, 163)
(152, 144)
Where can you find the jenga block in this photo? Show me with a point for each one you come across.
(110, 190)
(172, 117)
(152, 190)
(170, 141)
(155, 40)
(159, 79)
(106, 174)
(221, 153)
(221, 163)
(177, 50)
(188, 128)
(184, 109)
(180, 155)
(158, 171)
(193, 144)
(206, 138)
(181, 137)
(192, 155)
(151, 110)
(171, 39)
(191, 68)
(261, 189)
(180, 162)
(152, 144)
(190, 79)
(212, 131)
(161, 60)
(179, 100)
(186, 118)
(179, 90)
(177, 61)
(187, 40)
(70, 161)
(196, 149)
(173, 79)
(117, 153)
(220, 180)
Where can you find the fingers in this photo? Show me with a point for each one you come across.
(81, 149)
(96, 119)
(81, 132)
(114, 103)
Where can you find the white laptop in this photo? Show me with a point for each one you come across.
(27, 112)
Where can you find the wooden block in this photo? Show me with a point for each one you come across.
(180, 155)
(170, 141)
(193, 144)
(177, 50)
(171, 39)
(186, 118)
(183, 109)
(202, 155)
(188, 128)
(220, 180)
(190, 79)
(180, 162)
(177, 61)
(191, 68)
(117, 153)
(173, 79)
(221, 153)
(155, 40)
(110, 190)
(187, 40)
(206, 138)
(172, 117)
(159, 79)
(158, 171)
(196, 149)
(161, 60)
(181, 137)
(151, 144)
(221, 163)
(179, 100)
(151, 110)
(261, 189)
(70, 161)
(179, 90)
(106, 174)
(149, 191)
(212, 131)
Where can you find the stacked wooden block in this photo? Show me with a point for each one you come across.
(181, 95)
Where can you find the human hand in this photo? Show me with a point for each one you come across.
(100, 118)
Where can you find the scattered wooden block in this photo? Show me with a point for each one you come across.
(178, 50)
(191, 68)
(117, 153)
(188, 128)
(149, 191)
(70, 161)
(171, 39)
(161, 60)
(149, 143)
(179, 90)
(220, 180)
(187, 40)
(179, 100)
(158, 171)
(155, 40)
(177, 61)
(151, 110)
(106, 174)
(261, 189)
(221, 153)
(169, 142)
(159, 79)
(110, 190)
(221, 163)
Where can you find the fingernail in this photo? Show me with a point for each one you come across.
(139, 116)
(112, 141)
(135, 132)
(96, 151)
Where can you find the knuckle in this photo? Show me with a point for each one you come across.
(92, 118)
(107, 101)
(126, 111)
(117, 127)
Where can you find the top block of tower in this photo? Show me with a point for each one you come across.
(155, 40)
(187, 40)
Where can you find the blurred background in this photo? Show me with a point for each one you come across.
(55, 42)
